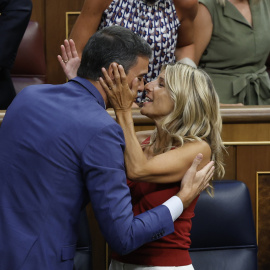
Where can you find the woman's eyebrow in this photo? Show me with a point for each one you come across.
(161, 79)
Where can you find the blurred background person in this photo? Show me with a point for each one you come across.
(232, 44)
(167, 26)
(14, 18)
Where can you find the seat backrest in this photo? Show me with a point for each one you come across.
(30, 65)
(223, 233)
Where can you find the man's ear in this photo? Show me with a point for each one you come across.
(110, 71)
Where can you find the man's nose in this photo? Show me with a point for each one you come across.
(141, 85)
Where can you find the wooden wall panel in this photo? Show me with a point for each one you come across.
(263, 220)
(250, 160)
(55, 34)
(246, 132)
(51, 16)
(38, 14)
(230, 162)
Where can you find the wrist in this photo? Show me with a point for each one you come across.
(124, 119)
(185, 198)
(122, 111)
(123, 115)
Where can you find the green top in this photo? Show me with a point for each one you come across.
(236, 54)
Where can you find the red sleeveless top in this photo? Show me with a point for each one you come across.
(170, 250)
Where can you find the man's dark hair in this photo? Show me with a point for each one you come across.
(108, 45)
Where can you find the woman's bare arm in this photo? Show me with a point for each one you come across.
(203, 27)
(164, 168)
(88, 21)
(186, 11)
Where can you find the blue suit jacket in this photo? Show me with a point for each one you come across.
(59, 148)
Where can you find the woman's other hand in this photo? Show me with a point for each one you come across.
(69, 59)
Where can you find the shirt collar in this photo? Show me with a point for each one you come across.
(90, 88)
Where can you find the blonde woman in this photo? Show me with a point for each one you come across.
(232, 43)
(185, 108)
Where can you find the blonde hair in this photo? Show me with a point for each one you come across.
(223, 2)
(196, 114)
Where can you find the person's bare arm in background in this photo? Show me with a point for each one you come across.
(203, 28)
(88, 21)
(186, 11)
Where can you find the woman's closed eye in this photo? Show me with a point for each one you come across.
(161, 82)
(161, 85)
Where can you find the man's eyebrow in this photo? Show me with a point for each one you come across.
(142, 75)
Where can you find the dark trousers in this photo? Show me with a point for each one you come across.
(14, 18)
(7, 91)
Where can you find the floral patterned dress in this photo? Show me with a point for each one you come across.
(157, 23)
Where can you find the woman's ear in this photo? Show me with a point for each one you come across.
(110, 70)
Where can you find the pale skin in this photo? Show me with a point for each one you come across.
(146, 171)
(203, 28)
(194, 180)
(145, 165)
(92, 10)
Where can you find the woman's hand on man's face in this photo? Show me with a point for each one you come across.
(120, 95)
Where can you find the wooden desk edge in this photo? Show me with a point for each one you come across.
(232, 114)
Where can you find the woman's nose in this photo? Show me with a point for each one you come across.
(148, 87)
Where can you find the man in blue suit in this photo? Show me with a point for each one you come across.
(59, 149)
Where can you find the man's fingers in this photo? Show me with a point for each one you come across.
(61, 61)
(208, 177)
(210, 174)
(107, 78)
(123, 76)
(134, 87)
(105, 86)
(208, 171)
(196, 161)
(116, 74)
(73, 48)
(192, 171)
(67, 47)
(64, 53)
